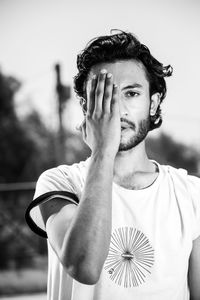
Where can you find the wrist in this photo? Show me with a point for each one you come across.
(108, 156)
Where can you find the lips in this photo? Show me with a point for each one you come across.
(124, 126)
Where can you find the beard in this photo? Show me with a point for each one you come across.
(137, 136)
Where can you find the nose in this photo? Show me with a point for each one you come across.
(122, 108)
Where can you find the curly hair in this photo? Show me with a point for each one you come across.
(121, 46)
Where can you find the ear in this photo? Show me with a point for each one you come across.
(83, 130)
(155, 101)
(83, 104)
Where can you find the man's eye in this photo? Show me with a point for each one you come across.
(131, 94)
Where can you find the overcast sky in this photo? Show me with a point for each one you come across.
(35, 34)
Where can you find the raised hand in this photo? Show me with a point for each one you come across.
(102, 130)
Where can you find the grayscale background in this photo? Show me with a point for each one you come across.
(39, 112)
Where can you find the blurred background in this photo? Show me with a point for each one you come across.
(39, 112)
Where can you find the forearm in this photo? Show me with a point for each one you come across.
(86, 244)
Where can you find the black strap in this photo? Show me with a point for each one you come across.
(40, 200)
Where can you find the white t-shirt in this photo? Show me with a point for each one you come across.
(152, 234)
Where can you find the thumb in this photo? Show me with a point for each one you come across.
(82, 129)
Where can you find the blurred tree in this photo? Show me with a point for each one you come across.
(8, 87)
(24, 145)
(75, 148)
(166, 150)
(44, 154)
(15, 144)
(26, 149)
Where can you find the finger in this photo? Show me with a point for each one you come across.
(114, 107)
(91, 95)
(108, 91)
(79, 126)
(99, 93)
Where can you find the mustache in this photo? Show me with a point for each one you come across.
(132, 125)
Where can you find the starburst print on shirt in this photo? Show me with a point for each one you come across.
(130, 257)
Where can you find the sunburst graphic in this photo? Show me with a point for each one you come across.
(130, 257)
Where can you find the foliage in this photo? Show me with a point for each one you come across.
(27, 281)
(167, 151)
(24, 145)
(26, 149)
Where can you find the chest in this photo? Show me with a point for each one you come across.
(137, 182)
(151, 235)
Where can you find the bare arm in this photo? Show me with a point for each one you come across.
(81, 235)
(86, 243)
(194, 271)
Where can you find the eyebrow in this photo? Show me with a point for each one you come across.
(132, 86)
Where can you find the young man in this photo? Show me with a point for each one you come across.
(119, 225)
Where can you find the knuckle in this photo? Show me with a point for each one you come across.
(88, 117)
(109, 83)
(107, 94)
(96, 115)
(113, 101)
(98, 92)
(106, 116)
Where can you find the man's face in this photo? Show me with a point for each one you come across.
(134, 99)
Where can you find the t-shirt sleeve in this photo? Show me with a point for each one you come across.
(194, 190)
(53, 183)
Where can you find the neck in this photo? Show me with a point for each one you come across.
(132, 162)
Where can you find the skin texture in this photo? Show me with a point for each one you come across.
(80, 235)
(115, 128)
(194, 271)
(134, 102)
(135, 107)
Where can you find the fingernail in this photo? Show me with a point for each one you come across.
(109, 75)
(115, 85)
(103, 71)
(94, 76)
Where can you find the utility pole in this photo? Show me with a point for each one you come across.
(63, 94)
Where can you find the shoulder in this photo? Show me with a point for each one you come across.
(76, 171)
(186, 188)
(181, 182)
(180, 175)
(62, 178)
